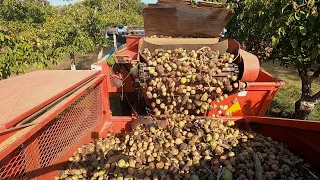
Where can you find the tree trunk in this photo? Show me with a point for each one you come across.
(303, 108)
(100, 55)
(4, 75)
(305, 105)
(72, 61)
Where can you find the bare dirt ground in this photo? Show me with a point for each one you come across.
(83, 61)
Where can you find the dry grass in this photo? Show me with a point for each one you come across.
(83, 61)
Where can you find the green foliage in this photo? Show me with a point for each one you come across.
(111, 60)
(24, 11)
(34, 33)
(287, 29)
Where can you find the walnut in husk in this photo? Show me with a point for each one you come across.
(187, 147)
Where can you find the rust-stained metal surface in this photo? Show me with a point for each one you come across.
(178, 18)
(23, 95)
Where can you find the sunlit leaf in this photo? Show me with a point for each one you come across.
(311, 3)
(275, 40)
(294, 42)
(297, 15)
(303, 30)
(1, 37)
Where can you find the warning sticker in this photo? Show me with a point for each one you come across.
(96, 67)
(242, 93)
(235, 109)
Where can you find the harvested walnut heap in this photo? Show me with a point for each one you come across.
(185, 147)
(188, 82)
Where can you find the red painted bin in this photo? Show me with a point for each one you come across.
(254, 100)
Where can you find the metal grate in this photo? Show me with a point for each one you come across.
(16, 165)
(55, 139)
(69, 127)
(114, 80)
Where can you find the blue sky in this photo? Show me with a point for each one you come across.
(62, 2)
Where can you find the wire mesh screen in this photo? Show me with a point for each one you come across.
(54, 139)
(114, 80)
(16, 165)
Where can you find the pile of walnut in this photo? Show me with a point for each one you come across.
(184, 147)
(188, 82)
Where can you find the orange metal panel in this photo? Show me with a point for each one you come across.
(251, 66)
(23, 95)
(48, 116)
(291, 123)
(301, 136)
(132, 40)
(129, 53)
(60, 131)
(256, 99)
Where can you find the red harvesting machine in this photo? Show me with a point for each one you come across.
(46, 115)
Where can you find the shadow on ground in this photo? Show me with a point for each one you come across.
(277, 109)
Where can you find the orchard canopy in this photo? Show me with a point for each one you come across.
(34, 33)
